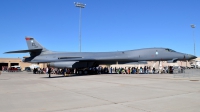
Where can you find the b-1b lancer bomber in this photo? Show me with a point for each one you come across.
(39, 54)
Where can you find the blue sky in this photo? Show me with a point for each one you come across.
(107, 25)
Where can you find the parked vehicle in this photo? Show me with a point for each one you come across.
(17, 67)
(197, 64)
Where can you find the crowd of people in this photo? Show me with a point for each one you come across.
(134, 70)
(49, 70)
(106, 70)
(146, 70)
(101, 70)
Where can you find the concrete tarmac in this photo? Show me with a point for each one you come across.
(27, 92)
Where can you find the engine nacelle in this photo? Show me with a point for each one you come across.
(139, 62)
(71, 64)
(173, 60)
(67, 64)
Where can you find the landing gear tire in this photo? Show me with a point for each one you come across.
(80, 72)
(85, 72)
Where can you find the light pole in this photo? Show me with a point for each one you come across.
(193, 26)
(80, 5)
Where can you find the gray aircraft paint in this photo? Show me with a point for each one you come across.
(39, 54)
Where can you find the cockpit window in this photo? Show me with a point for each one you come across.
(170, 50)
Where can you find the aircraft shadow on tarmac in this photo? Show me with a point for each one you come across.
(72, 75)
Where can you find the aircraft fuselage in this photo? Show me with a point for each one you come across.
(148, 54)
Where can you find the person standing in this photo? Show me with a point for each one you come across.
(64, 71)
(111, 70)
(49, 72)
(3, 68)
(154, 70)
(145, 70)
(128, 70)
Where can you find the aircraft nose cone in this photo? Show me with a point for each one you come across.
(192, 57)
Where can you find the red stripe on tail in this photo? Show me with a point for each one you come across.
(29, 38)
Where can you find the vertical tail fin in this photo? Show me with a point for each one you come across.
(33, 44)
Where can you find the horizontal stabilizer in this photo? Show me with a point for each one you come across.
(25, 51)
